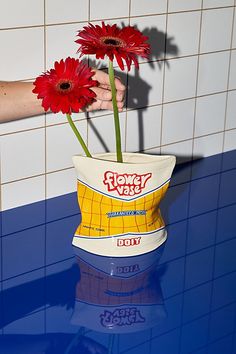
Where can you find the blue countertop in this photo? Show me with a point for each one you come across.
(178, 299)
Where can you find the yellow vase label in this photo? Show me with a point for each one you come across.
(103, 216)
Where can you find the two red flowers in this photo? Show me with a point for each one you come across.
(68, 86)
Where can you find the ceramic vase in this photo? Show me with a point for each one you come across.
(119, 203)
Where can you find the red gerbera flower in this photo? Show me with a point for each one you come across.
(67, 87)
(125, 44)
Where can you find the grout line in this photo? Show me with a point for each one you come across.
(128, 110)
(228, 79)
(164, 75)
(113, 18)
(197, 79)
(148, 149)
(158, 60)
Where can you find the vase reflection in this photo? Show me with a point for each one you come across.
(96, 294)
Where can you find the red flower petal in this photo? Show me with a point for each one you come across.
(122, 43)
(67, 87)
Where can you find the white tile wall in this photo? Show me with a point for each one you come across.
(231, 110)
(213, 72)
(145, 85)
(208, 145)
(183, 5)
(101, 133)
(22, 155)
(61, 182)
(23, 192)
(60, 42)
(216, 29)
(59, 11)
(144, 126)
(153, 27)
(217, 3)
(147, 7)
(23, 54)
(234, 34)
(62, 144)
(193, 88)
(180, 79)
(210, 114)
(16, 13)
(230, 138)
(107, 9)
(178, 121)
(232, 78)
(23, 124)
(183, 150)
(187, 40)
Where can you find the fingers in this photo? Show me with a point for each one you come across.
(103, 78)
(105, 95)
(98, 105)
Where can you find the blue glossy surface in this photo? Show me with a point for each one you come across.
(178, 299)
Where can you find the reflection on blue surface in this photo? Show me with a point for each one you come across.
(180, 298)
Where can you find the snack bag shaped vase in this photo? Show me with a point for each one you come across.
(119, 203)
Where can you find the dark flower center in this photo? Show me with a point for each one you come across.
(65, 85)
(115, 42)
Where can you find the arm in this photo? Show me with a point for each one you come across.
(17, 100)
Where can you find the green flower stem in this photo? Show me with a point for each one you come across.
(115, 112)
(79, 137)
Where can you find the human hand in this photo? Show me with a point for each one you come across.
(103, 92)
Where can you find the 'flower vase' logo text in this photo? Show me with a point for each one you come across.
(125, 184)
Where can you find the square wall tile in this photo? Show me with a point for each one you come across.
(217, 3)
(22, 155)
(28, 45)
(178, 119)
(234, 34)
(186, 41)
(210, 114)
(57, 118)
(208, 145)
(230, 140)
(62, 182)
(23, 124)
(108, 9)
(182, 150)
(154, 27)
(101, 133)
(213, 72)
(145, 85)
(148, 7)
(60, 42)
(183, 5)
(232, 78)
(62, 144)
(180, 79)
(216, 29)
(21, 13)
(23, 192)
(143, 128)
(58, 11)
